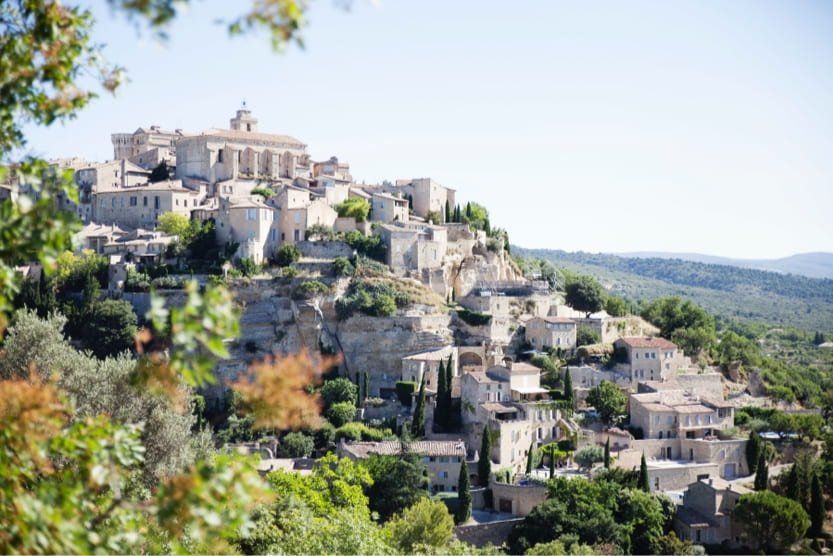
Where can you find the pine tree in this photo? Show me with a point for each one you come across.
(644, 484)
(817, 512)
(484, 464)
(441, 411)
(530, 459)
(607, 453)
(762, 473)
(568, 388)
(447, 211)
(753, 451)
(418, 422)
(463, 512)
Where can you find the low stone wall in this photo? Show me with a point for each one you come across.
(324, 249)
(523, 498)
(482, 534)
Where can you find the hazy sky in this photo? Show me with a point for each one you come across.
(615, 126)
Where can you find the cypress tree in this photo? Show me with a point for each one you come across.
(791, 486)
(484, 464)
(441, 411)
(762, 473)
(816, 507)
(487, 227)
(644, 484)
(568, 387)
(753, 451)
(607, 453)
(418, 422)
(463, 512)
(366, 385)
(447, 211)
(449, 374)
(530, 459)
(48, 299)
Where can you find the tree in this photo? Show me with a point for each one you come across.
(817, 511)
(584, 293)
(418, 421)
(771, 522)
(175, 224)
(442, 408)
(753, 451)
(447, 211)
(355, 207)
(160, 172)
(110, 328)
(426, 524)
(587, 335)
(463, 512)
(365, 385)
(608, 400)
(338, 390)
(588, 455)
(341, 413)
(644, 484)
(616, 306)
(397, 482)
(530, 459)
(287, 254)
(484, 463)
(568, 388)
(607, 453)
(761, 473)
(297, 445)
(684, 322)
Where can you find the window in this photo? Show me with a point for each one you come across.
(251, 214)
(297, 217)
(156, 201)
(133, 200)
(297, 235)
(144, 201)
(113, 202)
(220, 155)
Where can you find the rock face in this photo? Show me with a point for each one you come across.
(483, 266)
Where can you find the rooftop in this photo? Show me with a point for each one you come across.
(648, 342)
(395, 447)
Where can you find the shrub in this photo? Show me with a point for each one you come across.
(310, 289)
(377, 299)
(297, 445)
(287, 254)
(384, 306)
(586, 335)
(405, 391)
(356, 207)
(339, 390)
(264, 192)
(359, 431)
(248, 267)
(369, 246)
(341, 413)
(168, 283)
(319, 232)
(589, 455)
(137, 282)
(474, 318)
(343, 267)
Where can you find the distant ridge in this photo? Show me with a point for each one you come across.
(812, 265)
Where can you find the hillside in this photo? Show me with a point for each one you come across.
(812, 265)
(727, 291)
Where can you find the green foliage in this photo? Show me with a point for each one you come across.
(359, 431)
(418, 420)
(405, 391)
(754, 448)
(355, 207)
(264, 192)
(425, 525)
(643, 483)
(484, 464)
(109, 328)
(374, 298)
(341, 413)
(686, 324)
(72, 270)
(583, 293)
(474, 318)
(616, 306)
(608, 400)
(343, 267)
(309, 289)
(761, 473)
(736, 349)
(817, 510)
(297, 445)
(589, 455)
(587, 335)
(368, 246)
(176, 224)
(397, 482)
(339, 390)
(771, 522)
(287, 254)
(248, 267)
(476, 216)
(463, 512)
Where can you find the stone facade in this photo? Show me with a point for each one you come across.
(650, 358)
(545, 333)
(142, 205)
(705, 516)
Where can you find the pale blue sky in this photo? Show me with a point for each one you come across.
(614, 126)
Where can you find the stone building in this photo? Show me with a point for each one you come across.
(299, 210)
(140, 206)
(650, 358)
(442, 458)
(427, 363)
(677, 413)
(413, 246)
(545, 333)
(705, 516)
(147, 147)
(388, 208)
(100, 178)
(251, 223)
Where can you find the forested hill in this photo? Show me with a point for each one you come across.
(728, 291)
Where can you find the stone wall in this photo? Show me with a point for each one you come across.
(324, 249)
(495, 533)
(523, 498)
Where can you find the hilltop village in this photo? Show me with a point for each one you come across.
(445, 346)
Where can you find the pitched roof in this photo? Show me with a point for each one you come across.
(555, 320)
(647, 342)
(395, 447)
(240, 135)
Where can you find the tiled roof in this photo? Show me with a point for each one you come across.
(240, 135)
(556, 320)
(499, 407)
(648, 342)
(395, 447)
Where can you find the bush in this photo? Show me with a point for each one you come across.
(339, 390)
(310, 289)
(384, 306)
(359, 431)
(319, 232)
(110, 329)
(248, 267)
(341, 413)
(297, 445)
(474, 318)
(589, 455)
(369, 246)
(586, 335)
(287, 254)
(356, 207)
(168, 283)
(377, 299)
(137, 282)
(343, 267)
(264, 192)
(405, 391)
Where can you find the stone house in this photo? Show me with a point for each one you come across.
(94, 178)
(509, 399)
(332, 167)
(300, 211)
(147, 146)
(140, 206)
(388, 208)
(139, 246)
(251, 223)
(442, 458)
(678, 413)
(545, 333)
(650, 358)
(413, 246)
(430, 196)
(705, 516)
